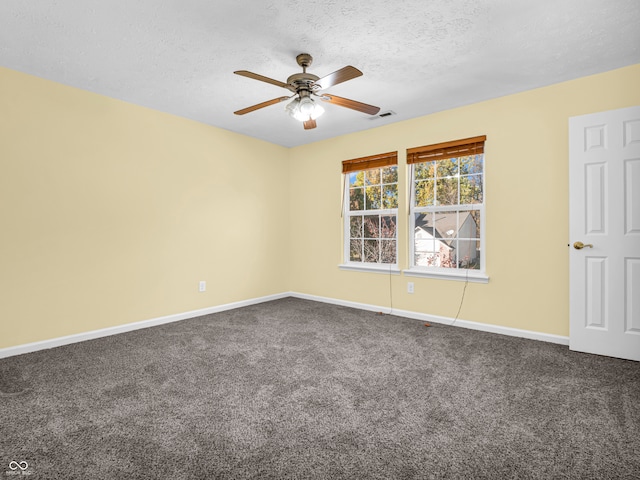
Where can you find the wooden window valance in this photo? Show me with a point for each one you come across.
(441, 151)
(374, 161)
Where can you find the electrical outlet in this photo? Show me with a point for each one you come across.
(410, 287)
(202, 286)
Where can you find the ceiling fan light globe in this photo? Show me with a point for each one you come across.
(292, 107)
(317, 111)
(300, 117)
(304, 109)
(310, 109)
(306, 106)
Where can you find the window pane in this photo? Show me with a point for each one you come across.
(471, 189)
(390, 196)
(356, 227)
(356, 199)
(469, 254)
(474, 264)
(390, 174)
(372, 177)
(471, 164)
(447, 191)
(422, 171)
(445, 255)
(355, 250)
(424, 243)
(424, 193)
(356, 179)
(424, 251)
(447, 168)
(446, 231)
(446, 226)
(388, 251)
(424, 221)
(372, 251)
(371, 226)
(388, 226)
(469, 224)
(373, 198)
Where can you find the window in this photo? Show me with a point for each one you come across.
(371, 211)
(447, 209)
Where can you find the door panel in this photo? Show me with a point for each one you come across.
(632, 197)
(596, 295)
(596, 197)
(632, 307)
(604, 210)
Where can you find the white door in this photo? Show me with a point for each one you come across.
(604, 210)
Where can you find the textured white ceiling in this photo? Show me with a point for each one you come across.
(418, 56)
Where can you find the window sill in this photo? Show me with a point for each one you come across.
(387, 270)
(472, 277)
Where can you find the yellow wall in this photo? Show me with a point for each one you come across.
(112, 213)
(526, 205)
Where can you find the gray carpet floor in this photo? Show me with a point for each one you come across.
(298, 389)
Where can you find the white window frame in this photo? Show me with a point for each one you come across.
(347, 264)
(470, 275)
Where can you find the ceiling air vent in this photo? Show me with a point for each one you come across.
(386, 114)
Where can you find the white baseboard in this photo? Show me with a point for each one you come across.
(105, 332)
(423, 317)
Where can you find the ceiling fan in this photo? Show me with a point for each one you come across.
(305, 86)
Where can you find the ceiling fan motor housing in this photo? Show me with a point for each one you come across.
(302, 81)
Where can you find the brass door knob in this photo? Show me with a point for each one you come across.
(580, 245)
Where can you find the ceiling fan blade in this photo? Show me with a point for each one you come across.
(262, 78)
(309, 124)
(261, 105)
(339, 76)
(352, 104)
